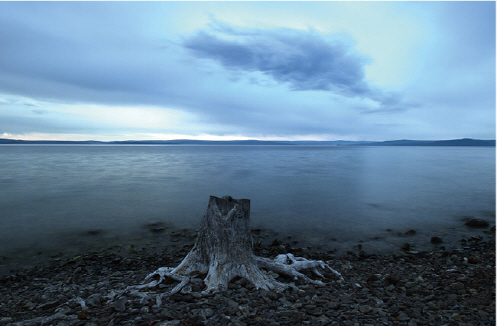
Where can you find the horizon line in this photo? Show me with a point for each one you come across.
(238, 140)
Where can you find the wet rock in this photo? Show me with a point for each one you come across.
(402, 317)
(94, 232)
(171, 323)
(410, 232)
(406, 247)
(483, 314)
(333, 305)
(318, 311)
(477, 223)
(208, 312)
(436, 240)
(233, 304)
(393, 280)
(83, 315)
(474, 260)
(94, 300)
(456, 286)
(120, 304)
(374, 277)
(156, 227)
(364, 309)
(271, 295)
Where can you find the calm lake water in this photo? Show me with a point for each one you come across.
(334, 196)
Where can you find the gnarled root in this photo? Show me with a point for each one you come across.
(218, 277)
(163, 273)
(223, 250)
(289, 265)
(160, 275)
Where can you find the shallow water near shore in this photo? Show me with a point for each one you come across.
(60, 199)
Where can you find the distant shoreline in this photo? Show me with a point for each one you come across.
(403, 142)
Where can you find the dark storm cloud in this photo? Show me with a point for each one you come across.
(306, 60)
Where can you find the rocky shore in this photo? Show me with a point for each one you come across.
(442, 287)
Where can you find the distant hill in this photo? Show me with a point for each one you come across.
(61, 142)
(451, 142)
(403, 142)
(185, 142)
(238, 142)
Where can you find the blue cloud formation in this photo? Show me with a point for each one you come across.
(306, 60)
(303, 60)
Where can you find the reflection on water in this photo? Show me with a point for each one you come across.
(321, 193)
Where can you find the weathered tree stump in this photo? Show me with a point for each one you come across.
(223, 250)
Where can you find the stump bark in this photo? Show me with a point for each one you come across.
(223, 250)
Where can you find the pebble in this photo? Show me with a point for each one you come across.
(365, 309)
(404, 288)
(233, 304)
(94, 300)
(457, 286)
(208, 312)
(120, 304)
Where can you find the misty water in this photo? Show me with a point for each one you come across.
(335, 197)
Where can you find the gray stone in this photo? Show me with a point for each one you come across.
(315, 312)
(171, 323)
(94, 300)
(272, 295)
(120, 304)
(208, 312)
(458, 286)
(233, 304)
(165, 313)
(483, 314)
(402, 317)
(365, 309)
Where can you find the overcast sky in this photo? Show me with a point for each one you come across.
(247, 70)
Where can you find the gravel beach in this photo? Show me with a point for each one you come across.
(442, 287)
